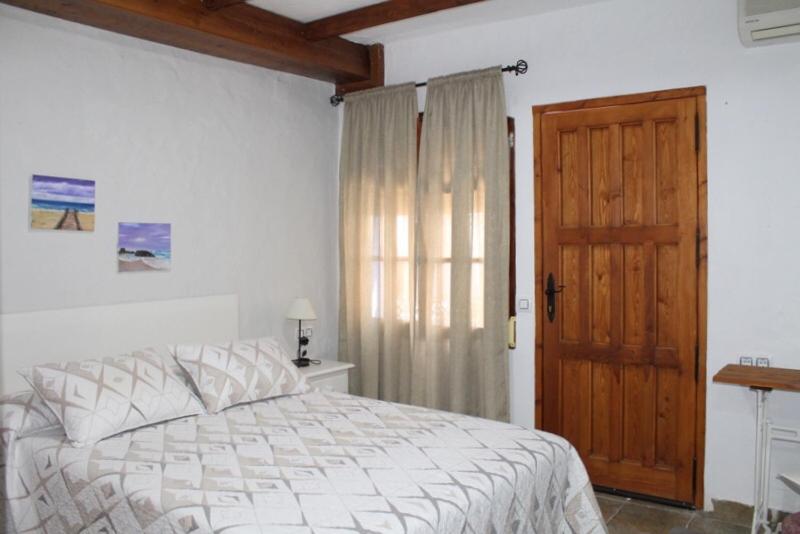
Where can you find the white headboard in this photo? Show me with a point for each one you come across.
(94, 332)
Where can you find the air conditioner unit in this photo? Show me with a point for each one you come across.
(764, 22)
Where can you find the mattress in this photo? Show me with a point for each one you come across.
(320, 462)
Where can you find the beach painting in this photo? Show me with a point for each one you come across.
(62, 204)
(144, 247)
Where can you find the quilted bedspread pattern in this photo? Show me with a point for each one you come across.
(318, 462)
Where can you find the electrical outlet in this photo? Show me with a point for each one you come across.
(309, 332)
(762, 361)
(746, 360)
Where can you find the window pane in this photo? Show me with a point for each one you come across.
(390, 284)
(447, 226)
(403, 291)
(376, 231)
(476, 295)
(478, 221)
(376, 294)
(440, 294)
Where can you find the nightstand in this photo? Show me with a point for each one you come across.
(330, 375)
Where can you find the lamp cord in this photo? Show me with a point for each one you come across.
(300, 348)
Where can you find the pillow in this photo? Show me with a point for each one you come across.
(22, 414)
(25, 413)
(95, 399)
(240, 371)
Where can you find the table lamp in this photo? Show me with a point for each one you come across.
(301, 310)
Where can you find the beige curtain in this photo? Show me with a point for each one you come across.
(377, 179)
(460, 356)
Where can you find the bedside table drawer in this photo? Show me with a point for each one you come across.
(331, 382)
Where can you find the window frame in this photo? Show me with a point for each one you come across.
(512, 269)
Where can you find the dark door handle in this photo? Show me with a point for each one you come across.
(551, 291)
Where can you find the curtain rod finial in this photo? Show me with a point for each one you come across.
(521, 67)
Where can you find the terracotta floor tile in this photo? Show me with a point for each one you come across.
(639, 518)
(706, 525)
(610, 505)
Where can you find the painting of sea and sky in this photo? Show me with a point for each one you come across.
(144, 247)
(62, 204)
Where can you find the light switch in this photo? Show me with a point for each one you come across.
(524, 305)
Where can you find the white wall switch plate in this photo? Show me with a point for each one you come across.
(745, 360)
(524, 304)
(762, 361)
(310, 332)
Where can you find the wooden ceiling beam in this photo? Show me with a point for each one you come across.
(219, 4)
(239, 32)
(375, 15)
(376, 68)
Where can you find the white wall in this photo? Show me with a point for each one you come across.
(241, 160)
(627, 46)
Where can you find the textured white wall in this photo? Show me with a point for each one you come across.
(241, 160)
(626, 46)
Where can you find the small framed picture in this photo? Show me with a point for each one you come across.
(144, 247)
(62, 204)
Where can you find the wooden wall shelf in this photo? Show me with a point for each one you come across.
(759, 377)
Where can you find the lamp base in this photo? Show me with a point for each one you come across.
(302, 362)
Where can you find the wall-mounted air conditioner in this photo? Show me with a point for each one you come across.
(764, 22)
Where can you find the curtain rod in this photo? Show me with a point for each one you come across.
(520, 67)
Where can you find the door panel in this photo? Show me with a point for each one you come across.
(619, 221)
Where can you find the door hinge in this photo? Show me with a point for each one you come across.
(697, 132)
(511, 139)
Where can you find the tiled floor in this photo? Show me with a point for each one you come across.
(629, 516)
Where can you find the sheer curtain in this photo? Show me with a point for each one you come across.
(424, 253)
(377, 181)
(460, 356)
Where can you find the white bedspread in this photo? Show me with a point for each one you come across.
(318, 462)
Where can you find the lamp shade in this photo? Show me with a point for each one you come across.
(301, 310)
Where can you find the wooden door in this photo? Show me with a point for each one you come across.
(619, 230)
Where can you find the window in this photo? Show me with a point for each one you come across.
(394, 269)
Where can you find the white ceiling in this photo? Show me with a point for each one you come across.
(472, 14)
(308, 10)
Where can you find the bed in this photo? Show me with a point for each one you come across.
(316, 462)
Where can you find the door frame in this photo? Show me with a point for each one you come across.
(699, 93)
